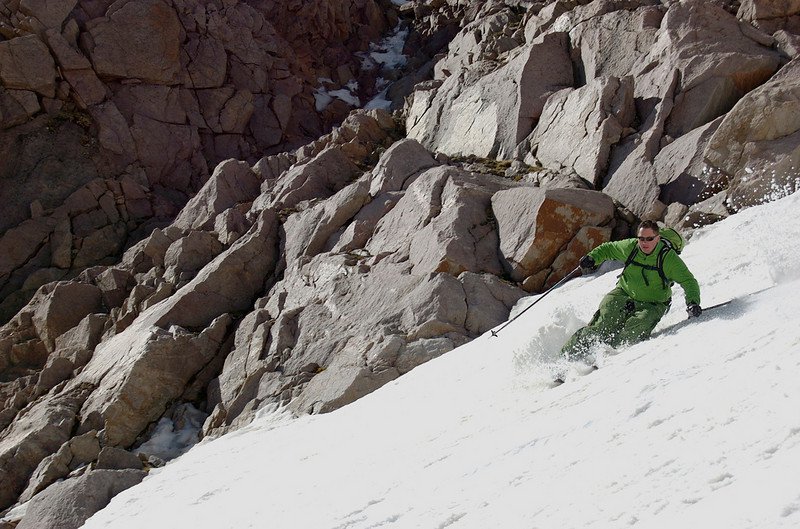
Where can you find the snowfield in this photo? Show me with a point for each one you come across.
(698, 427)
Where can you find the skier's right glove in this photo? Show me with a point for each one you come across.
(694, 310)
(587, 264)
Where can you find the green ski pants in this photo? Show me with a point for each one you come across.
(619, 320)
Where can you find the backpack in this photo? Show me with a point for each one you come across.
(673, 241)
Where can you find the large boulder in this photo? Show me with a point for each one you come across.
(631, 179)
(609, 38)
(460, 236)
(771, 15)
(232, 182)
(579, 126)
(474, 112)
(536, 225)
(399, 165)
(189, 254)
(26, 64)
(418, 307)
(16, 107)
(314, 230)
(489, 301)
(333, 332)
(757, 145)
(325, 174)
(61, 306)
(717, 59)
(441, 224)
(49, 14)
(75, 453)
(488, 37)
(680, 169)
(139, 39)
(153, 368)
(68, 504)
(45, 427)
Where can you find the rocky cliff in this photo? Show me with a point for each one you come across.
(112, 114)
(183, 225)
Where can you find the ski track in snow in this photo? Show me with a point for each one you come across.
(697, 427)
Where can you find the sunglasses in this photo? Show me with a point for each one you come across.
(648, 239)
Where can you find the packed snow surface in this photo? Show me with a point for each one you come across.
(698, 427)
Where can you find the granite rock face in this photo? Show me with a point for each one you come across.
(757, 145)
(578, 127)
(145, 98)
(537, 225)
(486, 109)
(641, 81)
(68, 504)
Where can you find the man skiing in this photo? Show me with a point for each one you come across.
(630, 312)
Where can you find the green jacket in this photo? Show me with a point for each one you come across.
(646, 285)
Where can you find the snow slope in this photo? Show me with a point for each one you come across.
(698, 427)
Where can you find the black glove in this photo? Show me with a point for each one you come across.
(587, 264)
(694, 310)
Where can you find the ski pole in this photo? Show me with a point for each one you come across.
(564, 280)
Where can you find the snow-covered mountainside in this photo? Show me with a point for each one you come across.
(697, 427)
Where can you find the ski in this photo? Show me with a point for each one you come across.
(724, 303)
(718, 305)
(580, 369)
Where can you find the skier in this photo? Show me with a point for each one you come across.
(630, 312)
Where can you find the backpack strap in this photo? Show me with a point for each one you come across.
(660, 264)
(629, 260)
(658, 268)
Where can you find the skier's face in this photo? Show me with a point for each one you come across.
(648, 240)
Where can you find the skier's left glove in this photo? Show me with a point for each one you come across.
(694, 310)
